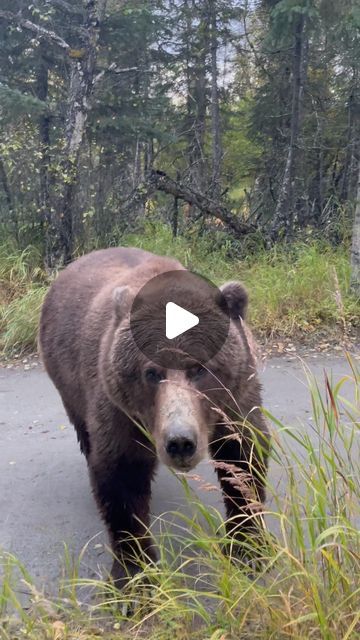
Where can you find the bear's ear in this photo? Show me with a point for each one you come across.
(121, 297)
(236, 298)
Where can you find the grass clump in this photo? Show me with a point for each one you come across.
(20, 319)
(23, 284)
(298, 292)
(309, 583)
(18, 270)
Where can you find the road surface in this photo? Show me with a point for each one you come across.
(45, 497)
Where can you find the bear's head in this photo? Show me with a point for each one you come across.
(179, 409)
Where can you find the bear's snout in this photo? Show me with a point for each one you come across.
(181, 444)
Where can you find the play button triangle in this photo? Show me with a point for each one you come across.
(178, 320)
(178, 317)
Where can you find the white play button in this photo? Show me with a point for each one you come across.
(178, 320)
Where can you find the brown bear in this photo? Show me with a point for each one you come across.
(129, 413)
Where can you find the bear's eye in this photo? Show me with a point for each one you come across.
(154, 376)
(195, 373)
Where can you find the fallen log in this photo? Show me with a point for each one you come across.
(160, 181)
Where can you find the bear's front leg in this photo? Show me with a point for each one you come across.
(122, 490)
(241, 468)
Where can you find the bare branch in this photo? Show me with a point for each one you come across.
(113, 68)
(40, 32)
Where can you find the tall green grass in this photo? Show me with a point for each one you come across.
(293, 292)
(309, 583)
(19, 269)
(23, 284)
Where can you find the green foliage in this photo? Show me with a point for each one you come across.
(19, 269)
(15, 104)
(152, 106)
(326, 122)
(241, 152)
(286, 12)
(20, 320)
(293, 292)
(23, 284)
(306, 587)
(297, 291)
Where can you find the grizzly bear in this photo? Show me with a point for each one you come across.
(130, 412)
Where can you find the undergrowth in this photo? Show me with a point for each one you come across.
(307, 588)
(23, 284)
(293, 291)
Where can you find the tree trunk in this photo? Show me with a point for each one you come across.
(137, 174)
(349, 162)
(9, 198)
(175, 217)
(355, 247)
(196, 52)
(80, 92)
(321, 178)
(284, 212)
(41, 90)
(6, 187)
(215, 108)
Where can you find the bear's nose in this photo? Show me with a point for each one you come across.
(181, 445)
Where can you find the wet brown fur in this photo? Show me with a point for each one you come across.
(88, 352)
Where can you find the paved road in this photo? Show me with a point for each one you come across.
(45, 498)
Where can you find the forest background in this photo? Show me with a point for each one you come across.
(224, 132)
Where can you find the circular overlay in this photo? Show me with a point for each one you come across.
(152, 318)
